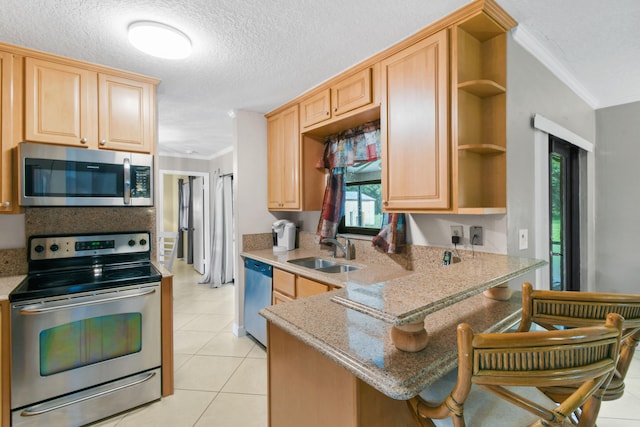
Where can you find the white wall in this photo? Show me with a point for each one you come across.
(250, 192)
(531, 89)
(183, 164)
(12, 232)
(222, 162)
(618, 201)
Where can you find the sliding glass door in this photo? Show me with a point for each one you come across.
(564, 202)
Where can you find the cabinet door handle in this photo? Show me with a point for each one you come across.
(6, 204)
(327, 113)
(83, 140)
(103, 142)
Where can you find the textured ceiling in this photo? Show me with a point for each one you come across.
(256, 55)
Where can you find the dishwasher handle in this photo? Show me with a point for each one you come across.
(259, 267)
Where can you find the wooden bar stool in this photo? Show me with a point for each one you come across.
(554, 309)
(583, 358)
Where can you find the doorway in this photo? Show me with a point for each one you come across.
(564, 215)
(199, 240)
(168, 211)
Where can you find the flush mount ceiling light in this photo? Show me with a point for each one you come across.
(159, 40)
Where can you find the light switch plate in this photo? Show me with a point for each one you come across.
(523, 239)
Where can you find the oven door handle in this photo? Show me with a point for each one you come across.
(29, 311)
(30, 412)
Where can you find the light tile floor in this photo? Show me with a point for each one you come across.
(221, 379)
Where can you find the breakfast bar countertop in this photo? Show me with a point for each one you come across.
(362, 344)
(352, 325)
(398, 296)
(410, 298)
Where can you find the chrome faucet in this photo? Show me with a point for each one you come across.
(348, 250)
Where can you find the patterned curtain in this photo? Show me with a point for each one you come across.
(356, 145)
(392, 236)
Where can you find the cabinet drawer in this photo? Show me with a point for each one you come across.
(284, 282)
(279, 298)
(307, 287)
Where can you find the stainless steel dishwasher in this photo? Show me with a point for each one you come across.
(257, 295)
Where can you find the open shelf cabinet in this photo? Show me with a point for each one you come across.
(479, 120)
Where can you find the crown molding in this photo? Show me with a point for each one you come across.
(529, 42)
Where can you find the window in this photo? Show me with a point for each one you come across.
(363, 199)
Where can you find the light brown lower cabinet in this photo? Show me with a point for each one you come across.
(284, 283)
(279, 298)
(5, 378)
(289, 286)
(166, 313)
(308, 389)
(307, 287)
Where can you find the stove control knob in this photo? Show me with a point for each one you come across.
(132, 242)
(143, 242)
(54, 247)
(39, 249)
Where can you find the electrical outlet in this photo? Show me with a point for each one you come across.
(523, 239)
(475, 235)
(456, 230)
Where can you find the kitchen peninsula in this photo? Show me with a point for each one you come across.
(335, 350)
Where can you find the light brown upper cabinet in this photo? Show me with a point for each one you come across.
(61, 104)
(74, 106)
(415, 122)
(352, 92)
(316, 109)
(283, 160)
(346, 95)
(293, 181)
(126, 112)
(440, 96)
(9, 124)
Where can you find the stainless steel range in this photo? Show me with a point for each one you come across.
(85, 329)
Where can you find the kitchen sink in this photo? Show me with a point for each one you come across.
(338, 268)
(312, 262)
(324, 265)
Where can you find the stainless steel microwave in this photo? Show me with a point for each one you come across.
(53, 175)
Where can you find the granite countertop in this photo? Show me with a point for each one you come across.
(368, 273)
(398, 296)
(7, 284)
(352, 325)
(362, 344)
(410, 298)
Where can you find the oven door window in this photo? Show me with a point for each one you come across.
(59, 178)
(89, 341)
